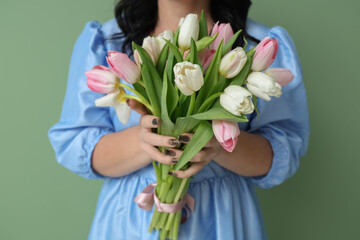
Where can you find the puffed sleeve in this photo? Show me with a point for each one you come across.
(81, 124)
(284, 121)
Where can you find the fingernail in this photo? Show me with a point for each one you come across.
(127, 102)
(172, 174)
(175, 160)
(173, 142)
(155, 122)
(184, 138)
(169, 152)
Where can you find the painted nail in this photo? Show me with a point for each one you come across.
(172, 174)
(155, 122)
(169, 152)
(173, 142)
(175, 160)
(184, 138)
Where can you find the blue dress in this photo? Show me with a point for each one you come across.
(226, 205)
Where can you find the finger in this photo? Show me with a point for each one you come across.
(213, 141)
(192, 170)
(185, 137)
(173, 152)
(200, 156)
(159, 140)
(137, 107)
(156, 155)
(149, 121)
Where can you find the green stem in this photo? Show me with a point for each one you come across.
(208, 100)
(191, 105)
(133, 90)
(143, 101)
(177, 198)
(141, 83)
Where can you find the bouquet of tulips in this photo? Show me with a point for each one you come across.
(194, 83)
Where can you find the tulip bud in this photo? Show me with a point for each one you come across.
(189, 28)
(188, 77)
(168, 35)
(281, 75)
(265, 53)
(137, 59)
(118, 101)
(232, 63)
(151, 45)
(124, 68)
(206, 57)
(101, 79)
(227, 133)
(236, 100)
(225, 32)
(263, 86)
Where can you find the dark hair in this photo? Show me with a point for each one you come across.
(135, 28)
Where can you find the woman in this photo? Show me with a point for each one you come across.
(92, 142)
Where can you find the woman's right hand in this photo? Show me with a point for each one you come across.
(149, 141)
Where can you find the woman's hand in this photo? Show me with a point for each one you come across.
(150, 141)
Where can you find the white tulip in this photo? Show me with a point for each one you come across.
(118, 101)
(236, 100)
(232, 63)
(189, 28)
(188, 77)
(168, 35)
(263, 86)
(151, 45)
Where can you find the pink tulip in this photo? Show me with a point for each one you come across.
(124, 68)
(227, 133)
(101, 79)
(206, 57)
(224, 32)
(281, 75)
(265, 54)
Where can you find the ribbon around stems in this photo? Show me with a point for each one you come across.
(147, 198)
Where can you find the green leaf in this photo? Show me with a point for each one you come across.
(170, 65)
(211, 78)
(205, 42)
(255, 100)
(172, 96)
(201, 137)
(176, 36)
(185, 124)
(154, 75)
(145, 58)
(182, 107)
(229, 43)
(157, 81)
(194, 57)
(219, 113)
(162, 59)
(138, 87)
(167, 126)
(174, 50)
(241, 77)
(203, 30)
(154, 101)
(219, 86)
(202, 44)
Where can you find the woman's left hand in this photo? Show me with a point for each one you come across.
(208, 153)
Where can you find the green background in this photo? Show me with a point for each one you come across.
(40, 199)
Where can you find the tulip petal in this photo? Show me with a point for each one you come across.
(123, 66)
(108, 100)
(123, 112)
(280, 75)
